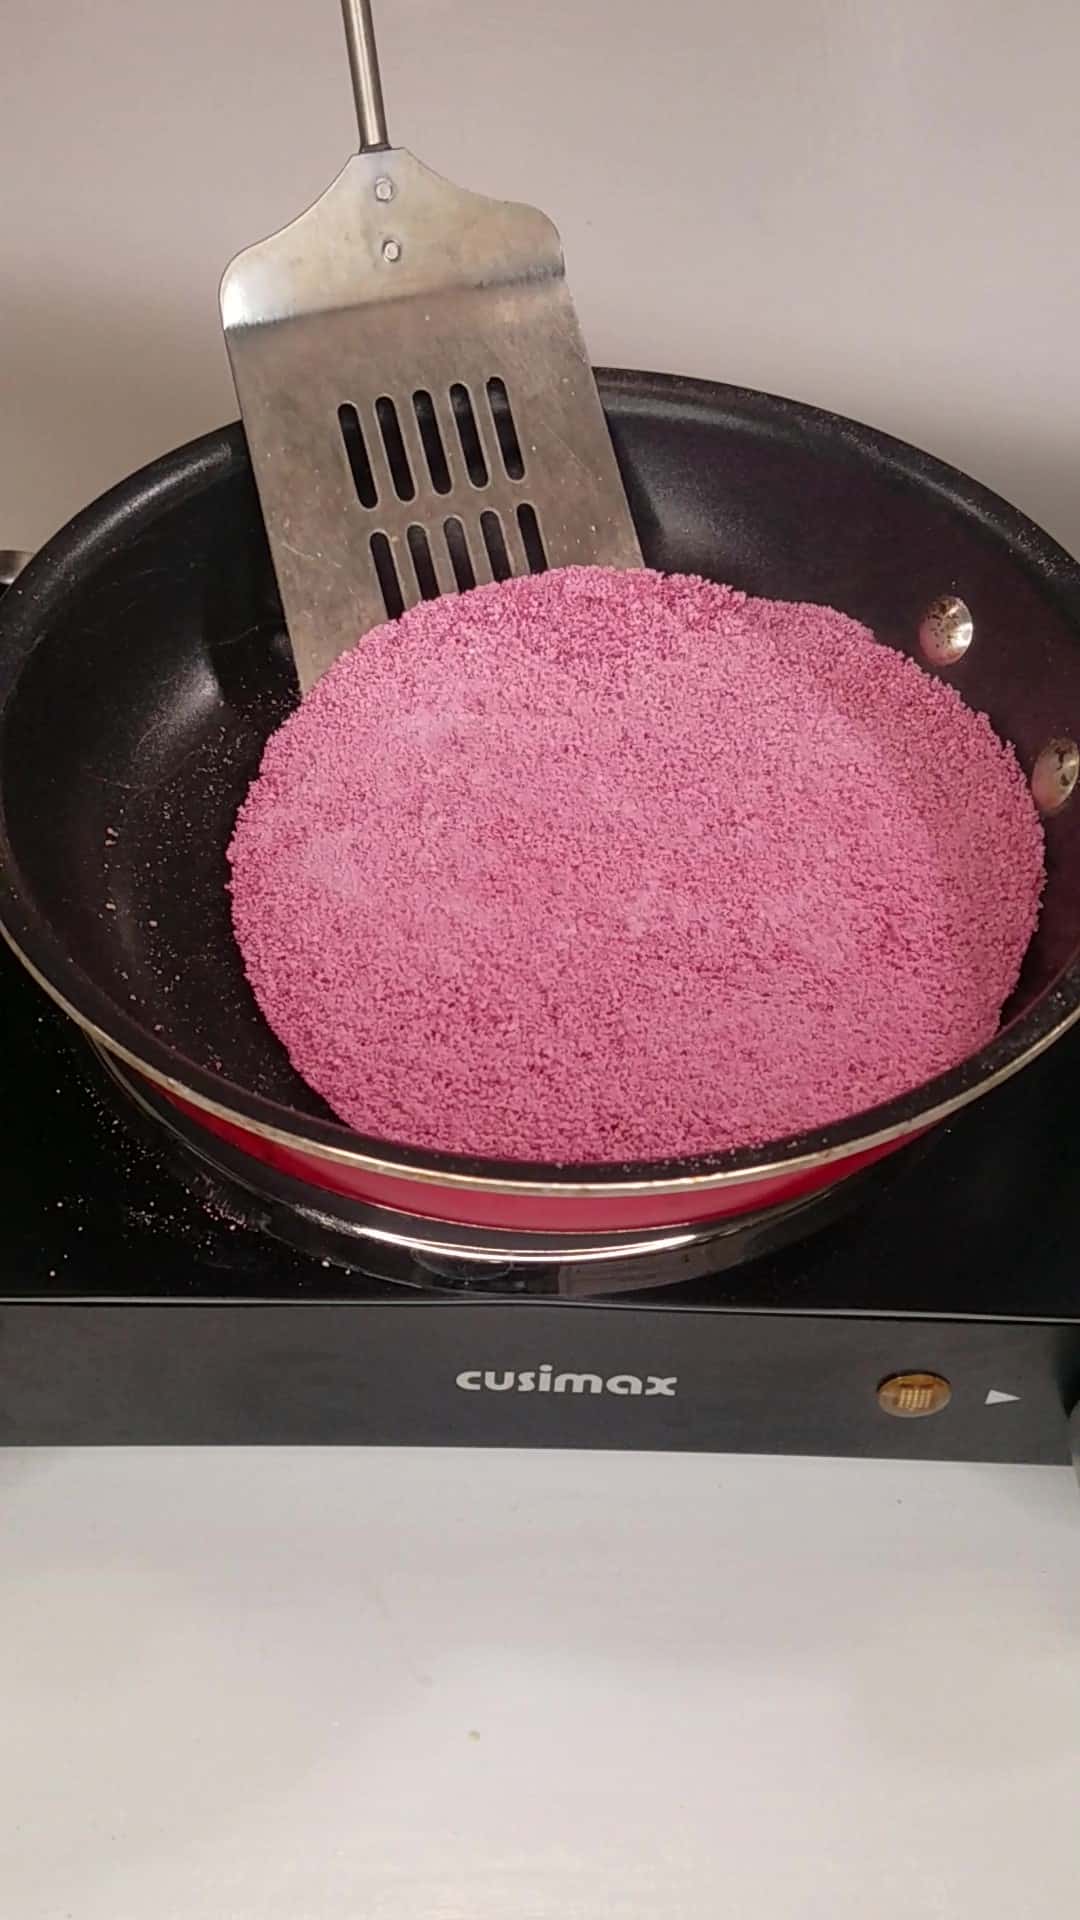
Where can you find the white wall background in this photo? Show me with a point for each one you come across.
(870, 205)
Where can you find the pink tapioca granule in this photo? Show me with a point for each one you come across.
(615, 865)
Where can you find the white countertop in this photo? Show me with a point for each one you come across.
(418, 1686)
(328, 1685)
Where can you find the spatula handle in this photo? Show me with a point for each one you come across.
(364, 67)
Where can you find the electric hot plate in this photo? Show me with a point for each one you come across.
(931, 1311)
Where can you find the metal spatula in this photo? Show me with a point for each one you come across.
(418, 402)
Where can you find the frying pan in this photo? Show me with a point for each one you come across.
(143, 663)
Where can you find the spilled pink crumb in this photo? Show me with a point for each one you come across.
(602, 865)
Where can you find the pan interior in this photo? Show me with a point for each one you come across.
(136, 721)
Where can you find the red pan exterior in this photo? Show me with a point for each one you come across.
(538, 1211)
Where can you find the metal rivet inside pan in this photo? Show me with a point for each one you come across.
(946, 631)
(1055, 774)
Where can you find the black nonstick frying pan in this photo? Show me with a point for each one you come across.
(143, 663)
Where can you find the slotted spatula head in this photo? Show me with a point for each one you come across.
(417, 398)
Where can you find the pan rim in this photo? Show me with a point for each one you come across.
(591, 1184)
(220, 454)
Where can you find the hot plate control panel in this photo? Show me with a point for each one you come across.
(416, 1371)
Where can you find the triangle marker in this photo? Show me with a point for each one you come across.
(995, 1398)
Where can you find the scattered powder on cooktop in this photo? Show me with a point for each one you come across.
(608, 866)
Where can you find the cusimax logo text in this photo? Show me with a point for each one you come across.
(546, 1380)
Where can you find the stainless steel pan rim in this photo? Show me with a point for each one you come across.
(914, 1117)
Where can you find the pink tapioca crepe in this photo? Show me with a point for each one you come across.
(614, 865)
